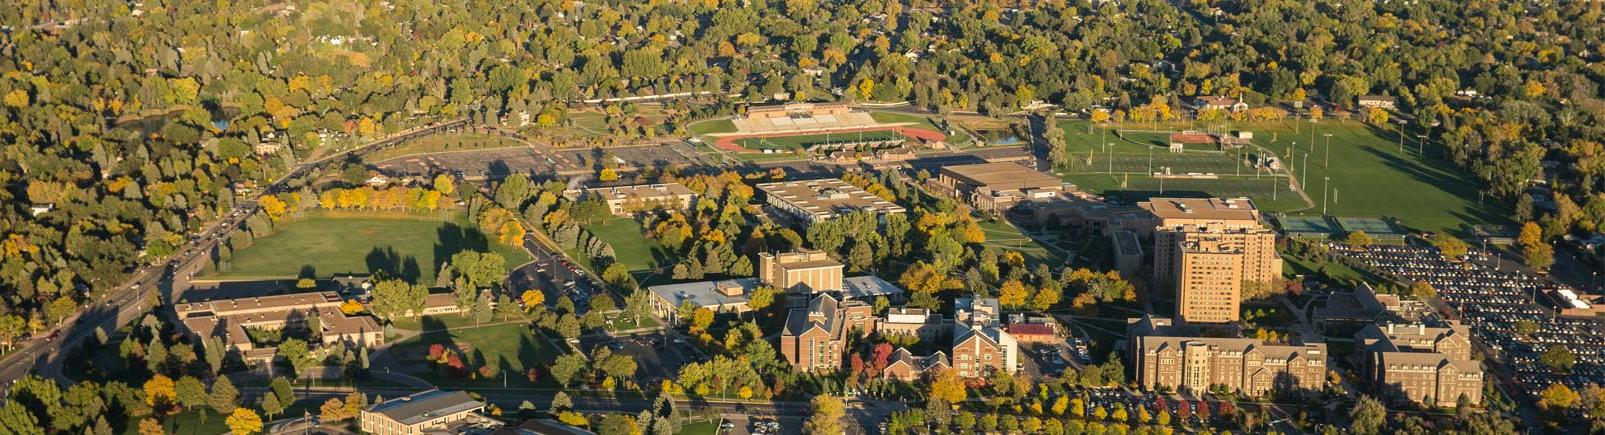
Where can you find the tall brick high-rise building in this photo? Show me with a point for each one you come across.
(1207, 249)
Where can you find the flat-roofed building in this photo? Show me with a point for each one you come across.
(426, 412)
(1206, 249)
(1423, 364)
(814, 338)
(995, 187)
(227, 320)
(1251, 366)
(823, 199)
(805, 271)
(628, 200)
(720, 296)
(919, 322)
(1128, 253)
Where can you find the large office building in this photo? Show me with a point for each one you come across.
(807, 271)
(823, 199)
(996, 187)
(814, 337)
(719, 296)
(427, 412)
(227, 320)
(1206, 249)
(1251, 366)
(1422, 364)
(628, 200)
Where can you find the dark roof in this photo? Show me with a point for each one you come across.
(426, 406)
(1030, 329)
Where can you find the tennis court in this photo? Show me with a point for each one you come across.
(1308, 227)
(1377, 228)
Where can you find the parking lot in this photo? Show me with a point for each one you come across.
(658, 355)
(628, 158)
(1492, 302)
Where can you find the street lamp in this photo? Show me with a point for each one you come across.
(1324, 182)
(1106, 155)
(1421, 144)
(1328, 149)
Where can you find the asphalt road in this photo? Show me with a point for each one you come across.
(124, 303)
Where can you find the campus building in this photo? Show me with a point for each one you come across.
(980, 344)
(823, 199)
(628, 200)
(1237, 364)
(719, 296)
(996, 187)
(814, 336)
(905, 366)
(427, 412)
(227, 320)
(1207, 249)
(806, 271)
(1422, 364)
(919, 322)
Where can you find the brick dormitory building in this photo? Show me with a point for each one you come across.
(1428, 365)
(1163, 356)
(227, 320)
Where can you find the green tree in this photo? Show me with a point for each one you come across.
(827, 417)
(1558, 358)
(566, 369)
(224, 397)
(1368, 416)
(191, 392)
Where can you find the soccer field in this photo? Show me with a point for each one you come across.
(1269, 193)
(807, 140)
(1368, 173)
(1160, 161)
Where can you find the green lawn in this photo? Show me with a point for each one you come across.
(700, 428)
(959, 137)
(1269, 193)
(1369, 173)
(512, 347)
(327, 243)
(444, 142)
(712, 126)
(1004, 237)
(630, 245)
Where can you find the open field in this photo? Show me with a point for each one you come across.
(1369, 175)
(1269, 193)
(712, 126)
(410, 246)
(444, 142)
(1160, 161)
(511, 347)
(1003, 237)
(630, 245)
(921, 121)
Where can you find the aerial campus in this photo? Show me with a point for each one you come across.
(802, 217)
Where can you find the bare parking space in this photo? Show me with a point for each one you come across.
(632, 157)
(494, 163)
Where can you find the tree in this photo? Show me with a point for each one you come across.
(443, 183)
(1559, 358)
(947, 387)
(160, 392)
(532, 299)
(1368, 416)
(616, 424)
(1013, 294)
(394, 298)
(191, 392)
(224, 397)
(828, 413)
(332, 410)
(1531, 234)
(283, 391)
(567, 368)
(701, 319)
(762, 297)
(1538, 256)
(1359, 239)
(295, 352)
(1557, 397)
(149, 426)
(1450, 246)
(244, 421)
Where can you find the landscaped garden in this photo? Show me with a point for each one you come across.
(324, 243)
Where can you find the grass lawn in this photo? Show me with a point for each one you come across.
(325, 243)
(921, 121)
(798, 142)
(700, 428)
(1006, 238)
(624, 323)
(438, 322)
(712, 126)
(630, 245)
(1269, 193)
(444, 142)
(1369, 174)
(512, 347)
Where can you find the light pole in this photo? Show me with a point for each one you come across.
(1328, 160)
(1421, 144)
(1325, 181)
(1107, 147)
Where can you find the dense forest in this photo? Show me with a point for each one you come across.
(126, 124)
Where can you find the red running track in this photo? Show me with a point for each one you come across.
(728, 143)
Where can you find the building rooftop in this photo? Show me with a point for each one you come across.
(1030, 329)
(425, 406)
(1155, 343)
(868, 286)
(705, 293)
(224, 307)
(826, 198)
(640, 191)
(1232, 209)
(1003, 176)
(1426, 361)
